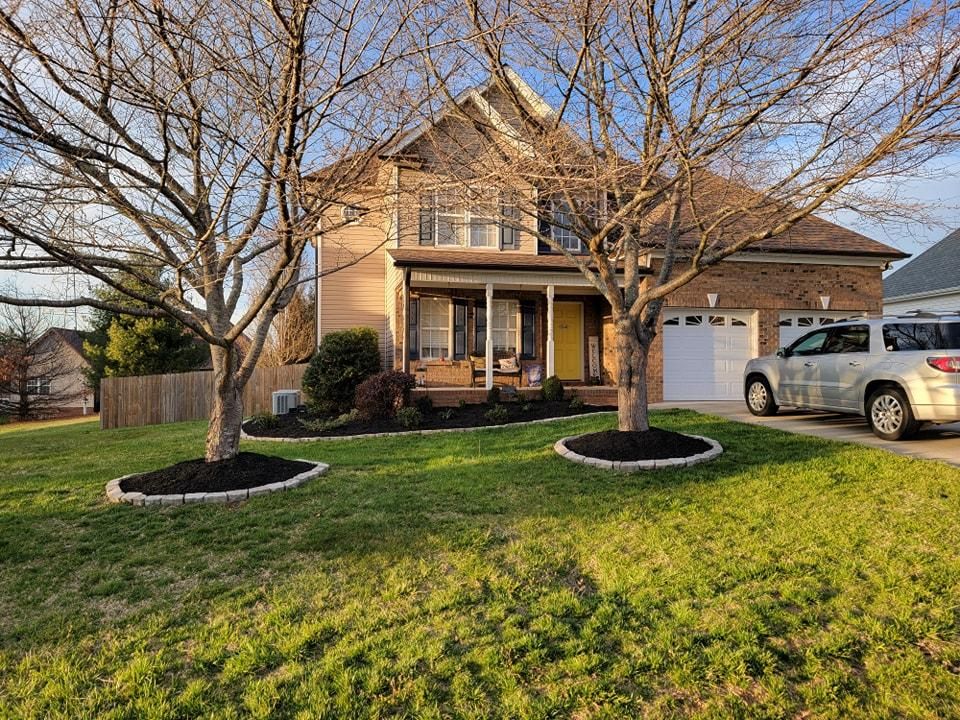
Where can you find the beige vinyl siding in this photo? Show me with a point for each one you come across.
(354, 295)
(938, 303)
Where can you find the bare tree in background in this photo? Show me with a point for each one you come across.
(38, 375)
(184, 135)
(683, 132)
(293, 336)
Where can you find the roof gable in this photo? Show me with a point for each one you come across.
(935, 269)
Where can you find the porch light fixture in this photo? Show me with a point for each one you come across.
(712, 298)
(825, 301)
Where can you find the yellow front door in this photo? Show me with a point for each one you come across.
(568, 340)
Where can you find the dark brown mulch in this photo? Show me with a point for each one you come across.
(472, 415)
(247, 470)
(653, 444)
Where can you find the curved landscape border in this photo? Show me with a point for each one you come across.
(116, 495)
(431, 431)
(633, 465)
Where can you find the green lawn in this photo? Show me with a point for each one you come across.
(479, 575)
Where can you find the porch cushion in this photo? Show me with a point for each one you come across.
(509, 364)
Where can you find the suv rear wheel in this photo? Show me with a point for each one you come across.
(759, 397)
(890, 415)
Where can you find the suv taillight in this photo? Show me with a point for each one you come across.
(944, 364)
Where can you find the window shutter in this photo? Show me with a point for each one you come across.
(426, 219)
(509, 233)
(544, 208)
(413, 328)
(528, 329)
(459, 329)
(480, 336)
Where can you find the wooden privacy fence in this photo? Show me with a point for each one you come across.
(156, 399)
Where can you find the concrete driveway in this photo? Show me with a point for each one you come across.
(933, 442)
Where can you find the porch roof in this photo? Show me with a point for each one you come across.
(493, 260)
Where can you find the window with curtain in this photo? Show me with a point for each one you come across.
(503, 326)
(434, 328)
(459, 221)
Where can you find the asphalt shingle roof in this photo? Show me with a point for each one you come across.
(937, 268)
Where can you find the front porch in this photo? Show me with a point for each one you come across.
(475, 329)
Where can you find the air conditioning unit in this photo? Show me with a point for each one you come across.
(285, 400)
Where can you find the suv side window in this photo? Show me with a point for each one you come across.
(848, 339)
(811, 344)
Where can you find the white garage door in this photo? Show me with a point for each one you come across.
(795, 323)
(704, 353)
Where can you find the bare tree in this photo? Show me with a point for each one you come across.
(293, 336)
(683, 132)
(178, 141)
(38, 375)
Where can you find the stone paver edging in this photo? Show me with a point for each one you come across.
(116, 495)
(633, 465)
(432, 431)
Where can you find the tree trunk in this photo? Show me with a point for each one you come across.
(226, 415)
(633, 347)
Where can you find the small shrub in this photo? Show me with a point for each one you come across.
(409, 417)
(424, 405)
(576, 403)
(526, 407)
(497, 415)
(461, 403)
(493, 395)
(265, 421)
(552, 389)
(446, 415)
(4, 419)
(379, 397)
(320, 425)
(343, 361)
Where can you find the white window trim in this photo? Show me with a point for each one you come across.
(446, 329)
(467, 225)
(517, 339)
(554, 228)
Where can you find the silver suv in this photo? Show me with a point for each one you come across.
(899, 372)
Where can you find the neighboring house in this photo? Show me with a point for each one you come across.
(436, 278)
(62, 382)
(930, 282)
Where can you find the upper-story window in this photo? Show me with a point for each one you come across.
(38, 386)
(483, 220)
(562, 228)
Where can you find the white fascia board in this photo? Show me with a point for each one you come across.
(499, 278)
(501, 125)
(540, 106)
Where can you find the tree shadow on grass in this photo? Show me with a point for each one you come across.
(476, 560)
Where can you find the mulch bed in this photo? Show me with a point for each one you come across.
(472, 415)
(247, 470)
(652, 444)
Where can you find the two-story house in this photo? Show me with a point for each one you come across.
(448, 284)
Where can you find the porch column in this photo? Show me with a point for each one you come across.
(550, 346)
(488, 351)
(405, 322)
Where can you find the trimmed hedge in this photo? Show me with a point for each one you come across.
(343, 360)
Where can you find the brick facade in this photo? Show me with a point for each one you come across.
(770, 288)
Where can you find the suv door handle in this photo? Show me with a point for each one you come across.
(855, 363)
(809, 363)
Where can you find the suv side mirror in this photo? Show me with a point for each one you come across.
(783, 352)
